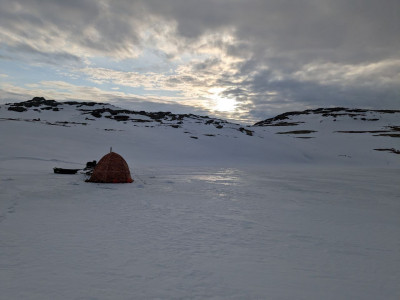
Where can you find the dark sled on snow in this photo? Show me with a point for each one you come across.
(65, 171)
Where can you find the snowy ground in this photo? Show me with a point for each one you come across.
(226, 217)
(222, 233)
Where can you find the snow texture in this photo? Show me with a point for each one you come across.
(223, 216)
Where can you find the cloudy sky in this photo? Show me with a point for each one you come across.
(244, 60)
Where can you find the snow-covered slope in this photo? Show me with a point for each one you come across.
(217, 210)
(352, 135)
(87, 129)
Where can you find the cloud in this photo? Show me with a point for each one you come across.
(338, 30)
(263, 56)
(63, 91)
(372, 85)
(25, 52)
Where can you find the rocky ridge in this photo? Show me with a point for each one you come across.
(333, 113)
(97, 110)
(336, 127)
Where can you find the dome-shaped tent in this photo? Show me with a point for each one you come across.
(112, 168)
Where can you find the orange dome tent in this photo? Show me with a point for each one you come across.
(112, 168)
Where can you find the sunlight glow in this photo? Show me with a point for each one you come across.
(221, 103)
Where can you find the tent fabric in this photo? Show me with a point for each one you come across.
(112, 168)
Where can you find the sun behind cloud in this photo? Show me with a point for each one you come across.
(220, 103)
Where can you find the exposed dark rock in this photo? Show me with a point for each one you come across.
(297, 132)
(282, 124)
(89, 104)
(394, 128)
(363, 131)
(387, 111)
(80, 104)
(38, 101)
(10, 119)
(96, 114)
(121, 118)
(17, 108)
(365, 119)
(280, 117)
(394, 135)
(392, 150)
(157, 116)
(247, 131)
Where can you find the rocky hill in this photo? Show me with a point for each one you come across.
(305, 124)
(286, 119)
(320, 135)
(96, 110)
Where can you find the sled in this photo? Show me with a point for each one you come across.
(65, 171)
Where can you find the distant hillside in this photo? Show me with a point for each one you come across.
(333, 135)
(286, 119)
(98, 110)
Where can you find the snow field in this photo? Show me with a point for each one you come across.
(218, 217)
(204, 233)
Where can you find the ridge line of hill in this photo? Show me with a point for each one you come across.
(278, 120)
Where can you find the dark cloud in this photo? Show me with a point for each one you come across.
(205, 65)
(326, 29)
(322, 29)
(359, 93)
(335, 29)
(25, 52)
(91, 25)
